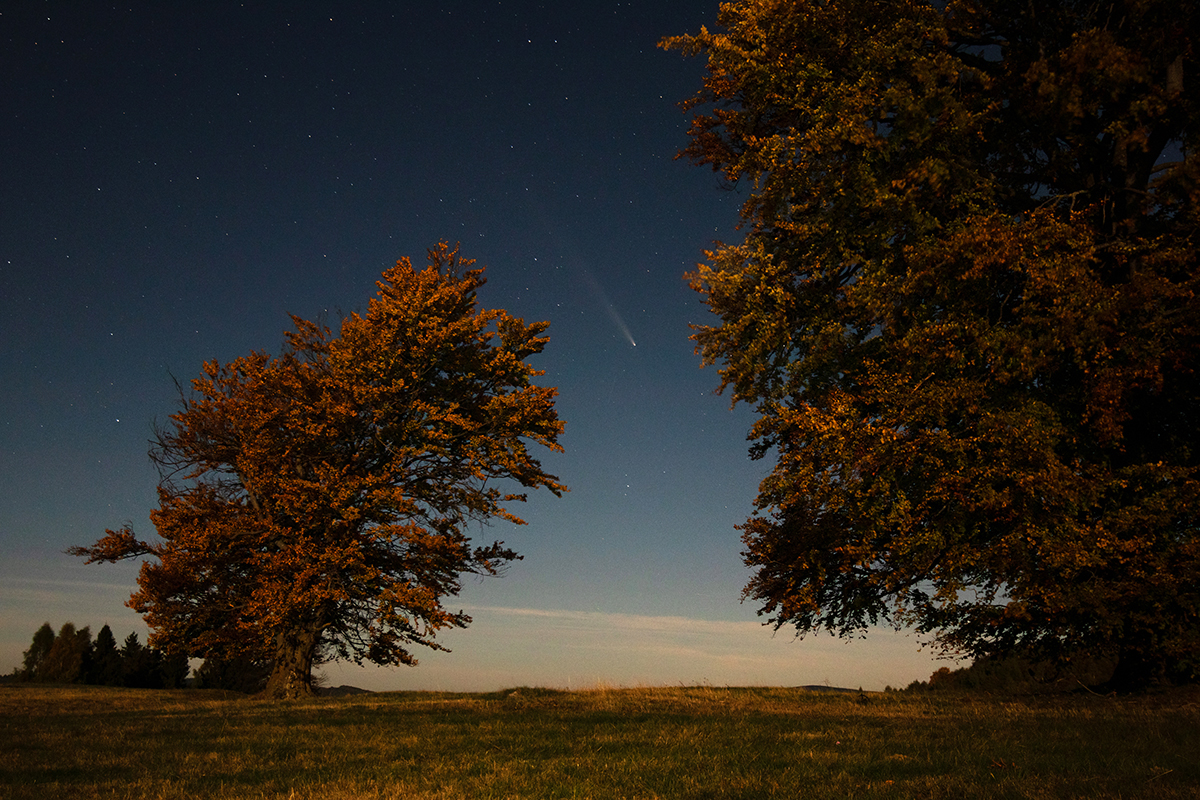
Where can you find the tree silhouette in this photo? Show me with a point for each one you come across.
(69, 658)
(141, 666)
(106, 660)
(43, 641)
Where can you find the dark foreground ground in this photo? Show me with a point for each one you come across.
(701, 742)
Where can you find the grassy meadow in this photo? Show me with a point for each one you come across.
(698, 742)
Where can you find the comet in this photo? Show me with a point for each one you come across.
(607, 304)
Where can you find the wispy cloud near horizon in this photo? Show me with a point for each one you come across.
(25, 603)
(615, 620)
(511, 645)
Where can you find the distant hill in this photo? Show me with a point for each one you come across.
(343, 691)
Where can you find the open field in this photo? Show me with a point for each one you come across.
(84, 742)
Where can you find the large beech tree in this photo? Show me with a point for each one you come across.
(965, 309)
(318, 504)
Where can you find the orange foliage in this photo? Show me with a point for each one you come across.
(966, 310)
(316, 504)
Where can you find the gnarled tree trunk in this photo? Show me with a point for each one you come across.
(295, 652)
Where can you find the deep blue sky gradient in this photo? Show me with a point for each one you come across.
(177, 178)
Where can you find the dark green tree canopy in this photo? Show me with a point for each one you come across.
(39, 648)
(965, 310)
(73, 657)
(106, 659)
(69, 658)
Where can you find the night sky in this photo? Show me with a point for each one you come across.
(177, 178)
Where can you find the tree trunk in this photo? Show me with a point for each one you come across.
(1140, 665)
(295, 651)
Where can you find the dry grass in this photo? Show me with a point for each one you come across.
(697, 742)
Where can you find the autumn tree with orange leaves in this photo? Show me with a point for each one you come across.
(966, 311)
(318, 504)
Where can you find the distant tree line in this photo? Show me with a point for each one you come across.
(72, 656)
(1020, 675)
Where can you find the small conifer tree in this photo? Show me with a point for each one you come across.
(106, 660)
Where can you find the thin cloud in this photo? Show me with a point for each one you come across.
(625, 622)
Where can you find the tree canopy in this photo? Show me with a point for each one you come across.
(319, 504)
(965, 310)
